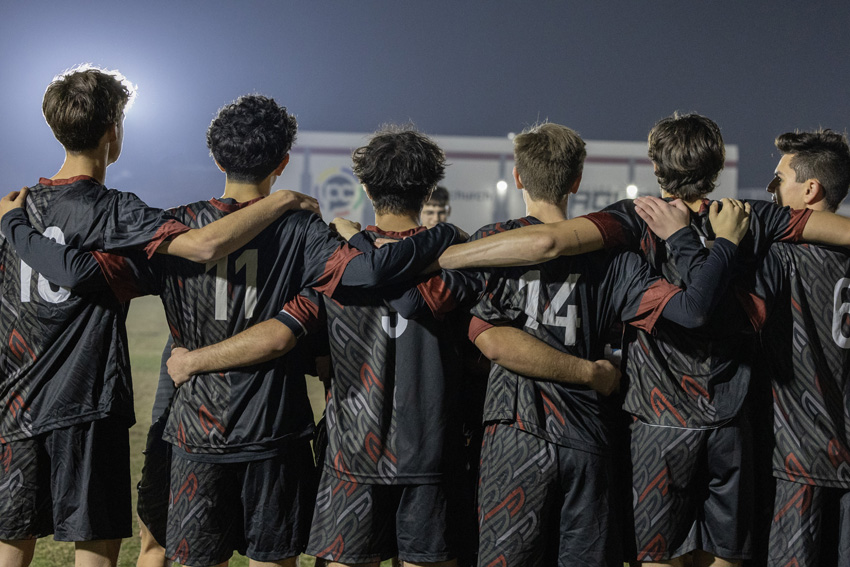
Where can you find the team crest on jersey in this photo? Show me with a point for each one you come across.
(339, 192)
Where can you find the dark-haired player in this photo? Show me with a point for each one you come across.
(362, 454)
(437, 208)
(65, 392)
(249, 428)
(804, 351)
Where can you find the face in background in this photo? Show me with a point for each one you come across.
(786, 191)
(433, 214)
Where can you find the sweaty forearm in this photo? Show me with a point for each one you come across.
(525, 246)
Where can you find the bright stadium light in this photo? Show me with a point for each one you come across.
(632, 191)
(502, 186)
(511, 136)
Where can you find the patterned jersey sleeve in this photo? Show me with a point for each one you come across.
(130, 224)
(400, 262)
(619, 225)
(62, 265)
(303, 314)
(778, 224)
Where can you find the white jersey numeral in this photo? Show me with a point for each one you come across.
(569, 322)
(44, 290)
(247, 260)
(842, 311)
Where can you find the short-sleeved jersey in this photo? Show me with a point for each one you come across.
(569, 303)
(391, 406)
(805, 353)
(246, 413)
(63, 357)
(694, 378)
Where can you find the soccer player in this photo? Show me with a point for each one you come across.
(688, 155)
(437, 208)
(804, 350)
(349, 464)
(252, 429)
(65, 392)
(544, 488)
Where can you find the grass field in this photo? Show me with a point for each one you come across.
(147, 333)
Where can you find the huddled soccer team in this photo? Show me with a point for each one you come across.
(477, 413)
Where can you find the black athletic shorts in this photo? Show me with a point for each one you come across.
(362, 523)
(153, 488)
(542, 504)
(73, 483)
(692, 490)
(259, 508)
(811, 525)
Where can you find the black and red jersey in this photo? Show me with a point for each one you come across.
(569, 303)
(804, 351)
(391, 406)
(244, 413)
(63, 356)
(248, 413)
(695, 378)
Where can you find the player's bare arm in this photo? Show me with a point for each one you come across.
(826, 228)
(228, 234)
(525, 246)
(259, 343)
(524, 354)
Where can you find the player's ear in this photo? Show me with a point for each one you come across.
(518, 179)
(282, 165)
(576, 183)
(814, 192)
(111, 133)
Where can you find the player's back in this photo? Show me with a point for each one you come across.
(568, 303)
(804, 350)
(64, 356)
(695, 378)
(247, 412)
(391, 403)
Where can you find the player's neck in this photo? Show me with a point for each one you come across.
(92, 164)
(545, 212)
(242, 192)
(397, 223)
(694, 205)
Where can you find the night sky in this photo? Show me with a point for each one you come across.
(607, 69)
